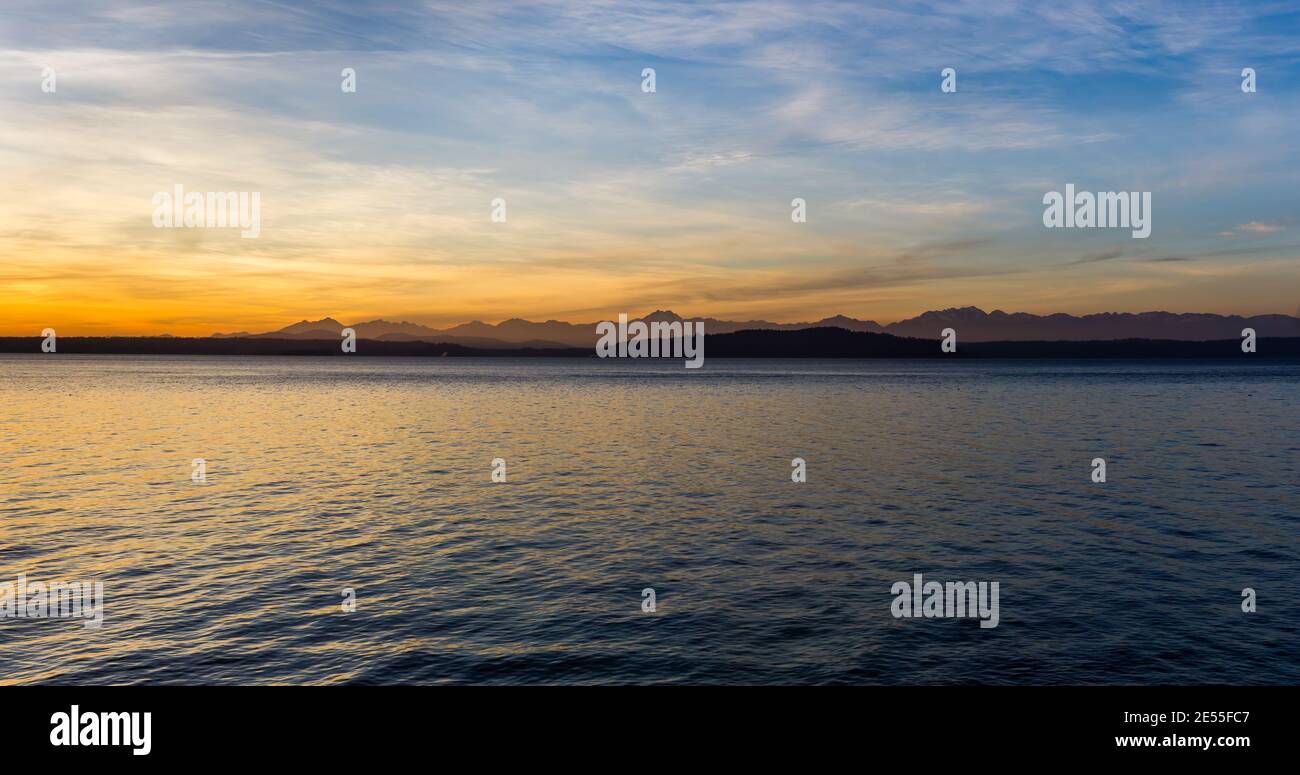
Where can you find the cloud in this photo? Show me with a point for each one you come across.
(1255, 227)
(703, 162)
(1106, 255)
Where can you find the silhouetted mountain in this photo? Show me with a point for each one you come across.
(518, 332)
(971, 323)
(329, 328)
(847, 323)
(383, 329)
(474, 341)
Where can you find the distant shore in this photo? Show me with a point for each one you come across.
(802, 343)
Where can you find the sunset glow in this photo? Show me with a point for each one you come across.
(375, 204)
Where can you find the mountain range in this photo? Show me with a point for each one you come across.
(971, 323)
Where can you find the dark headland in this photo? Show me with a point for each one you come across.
(824, 342)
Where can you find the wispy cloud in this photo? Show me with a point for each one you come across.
(1255, 227)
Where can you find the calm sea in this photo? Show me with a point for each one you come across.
(327, 474)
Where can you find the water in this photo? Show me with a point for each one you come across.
(374, 474)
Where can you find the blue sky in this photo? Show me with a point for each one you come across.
(376, 203)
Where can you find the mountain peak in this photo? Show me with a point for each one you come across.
(324, 324)
(660, 315)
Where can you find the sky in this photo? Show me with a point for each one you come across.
(378, 203)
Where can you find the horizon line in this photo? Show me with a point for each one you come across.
(442, 328)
